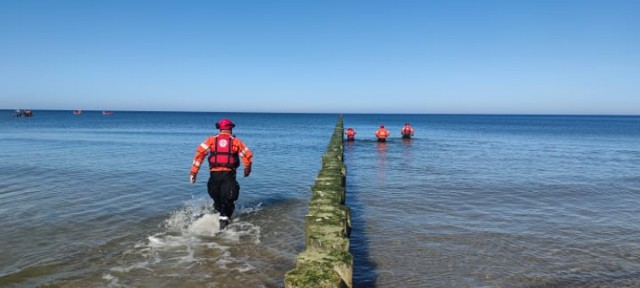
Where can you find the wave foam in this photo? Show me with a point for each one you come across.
(190, 239)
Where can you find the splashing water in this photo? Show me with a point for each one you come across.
(191, 245)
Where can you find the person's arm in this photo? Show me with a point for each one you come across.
(201, 152)
(246, 155)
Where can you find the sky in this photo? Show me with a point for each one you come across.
(326, 56)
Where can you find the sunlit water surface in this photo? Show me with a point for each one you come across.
(472, 201)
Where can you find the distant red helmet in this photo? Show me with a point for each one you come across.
(381, 126)
(225, 124)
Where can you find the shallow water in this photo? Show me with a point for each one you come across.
(471, 201)
(499, 201)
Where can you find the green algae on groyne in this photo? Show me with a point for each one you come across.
(326, 262)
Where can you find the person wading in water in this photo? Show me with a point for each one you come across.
(382, 134)
(225, 152)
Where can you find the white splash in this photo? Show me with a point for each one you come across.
(207, 225)
(190, 238)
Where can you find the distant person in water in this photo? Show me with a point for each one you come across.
(382, 134)
(407, 131)
(225, 152)
(351, 134)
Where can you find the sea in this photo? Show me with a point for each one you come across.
(96, 200)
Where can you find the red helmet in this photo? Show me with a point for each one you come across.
(381, 126)
(225, 124)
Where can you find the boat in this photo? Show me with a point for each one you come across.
(77, 112)
(23, 113)
(106, 112)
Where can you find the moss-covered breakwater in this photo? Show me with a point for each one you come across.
(326, 262)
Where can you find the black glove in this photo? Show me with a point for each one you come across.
(247, 171)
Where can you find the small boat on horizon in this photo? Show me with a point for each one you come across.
(23, 113)
(77, 112)
(106, 112)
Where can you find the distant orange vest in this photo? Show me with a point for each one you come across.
(351, 134)
(382, 133)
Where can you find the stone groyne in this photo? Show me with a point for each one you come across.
(326, 262)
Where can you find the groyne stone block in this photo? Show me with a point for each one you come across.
(313, 278)
(335, 181)
(316, 268)
(327, 190)
(320, 196)
(322, 219)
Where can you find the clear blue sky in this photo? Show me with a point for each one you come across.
(533, 57)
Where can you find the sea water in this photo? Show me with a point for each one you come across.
(97, 200)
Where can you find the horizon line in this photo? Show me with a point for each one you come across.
(337, 113)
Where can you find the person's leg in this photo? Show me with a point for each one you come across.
(229, 191)
(213, 188)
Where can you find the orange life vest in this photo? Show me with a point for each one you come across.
(350, 133)
(382, 133)
(221, 154)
